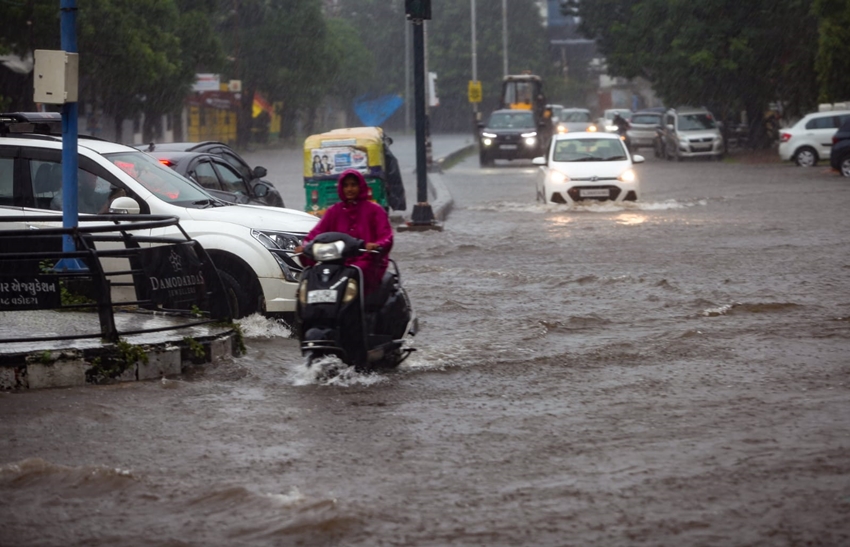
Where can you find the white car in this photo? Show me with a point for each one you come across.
(247, 243)
(810, 139)
(587, 167)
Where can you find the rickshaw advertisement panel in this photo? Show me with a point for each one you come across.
(335, 160)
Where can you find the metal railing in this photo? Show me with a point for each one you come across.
(36, 274)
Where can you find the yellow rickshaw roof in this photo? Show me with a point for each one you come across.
(364, 136)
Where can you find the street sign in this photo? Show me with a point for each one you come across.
(474, 91)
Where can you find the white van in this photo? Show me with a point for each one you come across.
(247, 243)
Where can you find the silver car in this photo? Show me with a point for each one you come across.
(644, 129)
(692, 133)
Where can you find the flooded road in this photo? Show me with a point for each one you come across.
(670, 372)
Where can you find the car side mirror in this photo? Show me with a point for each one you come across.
(540, 160)
(124, 206)
(637, 158)
(480, 125)
(261, 190)
(259, 172)
(669, 127)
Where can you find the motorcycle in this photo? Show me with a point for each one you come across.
(334, 317)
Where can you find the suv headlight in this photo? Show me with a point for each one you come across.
(488, 135)
(277, 240)
(280, 244)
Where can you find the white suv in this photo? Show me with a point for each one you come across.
(247, 243)
(810, 139)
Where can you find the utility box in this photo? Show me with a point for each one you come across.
(56, 76)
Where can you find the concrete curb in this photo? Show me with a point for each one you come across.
(77, 367)
(441, 199)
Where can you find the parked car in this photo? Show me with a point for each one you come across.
(250, 245)
(587, 166)
(605, 123)
(254, 176)
(839, 156)
(215, 175)
(643, 130)
(691, 133)
(509, 135)
(810, 139)
(575, 119)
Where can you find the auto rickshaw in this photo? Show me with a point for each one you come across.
(366, 149)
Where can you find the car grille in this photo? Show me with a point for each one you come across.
(507, 139)
(593, 179)
(702, 140)
(575, 192)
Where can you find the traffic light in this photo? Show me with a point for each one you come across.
(417, 9)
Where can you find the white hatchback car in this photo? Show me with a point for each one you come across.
(810, 139)
(250, 245)
(587, 167)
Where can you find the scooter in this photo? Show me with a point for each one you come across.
(334, 317)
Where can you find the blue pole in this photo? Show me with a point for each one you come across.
(70, 203)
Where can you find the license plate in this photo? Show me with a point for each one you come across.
(322, 296)
(507, 146)
(594, 193)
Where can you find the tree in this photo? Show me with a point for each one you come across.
(450, 54)
(138, 64)
(727, 55)
(275, 45)
(833, 50)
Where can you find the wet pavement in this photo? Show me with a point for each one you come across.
(669, 372)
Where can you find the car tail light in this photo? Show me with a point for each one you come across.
(785, 137)
(167, 163)
(835, 139)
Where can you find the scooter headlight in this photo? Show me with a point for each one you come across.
(323, 252)
(350, 291)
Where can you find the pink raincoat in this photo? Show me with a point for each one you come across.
(363, 219)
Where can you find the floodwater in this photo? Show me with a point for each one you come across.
(670, 372)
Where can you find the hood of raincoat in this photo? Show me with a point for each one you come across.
(364, 188)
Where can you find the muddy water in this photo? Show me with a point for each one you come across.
(671, 372)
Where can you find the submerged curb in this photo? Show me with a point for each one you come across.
(78, 367)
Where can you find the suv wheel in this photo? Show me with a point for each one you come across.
(236, 296)
(806, 157)
(844, 166)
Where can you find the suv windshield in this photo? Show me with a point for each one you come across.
(162, 181)
(512, 120)
(696, 122)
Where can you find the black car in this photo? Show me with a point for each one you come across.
(271, 196)
(214, 174)
(839, 156)
(510, 135)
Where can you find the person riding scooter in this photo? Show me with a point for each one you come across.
(623, 126)
(358, 216)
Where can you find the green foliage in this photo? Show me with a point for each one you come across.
(112, 366)
(195, 347)
(833, 50)
(725, 54)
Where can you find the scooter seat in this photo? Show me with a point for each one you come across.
(379, 297)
